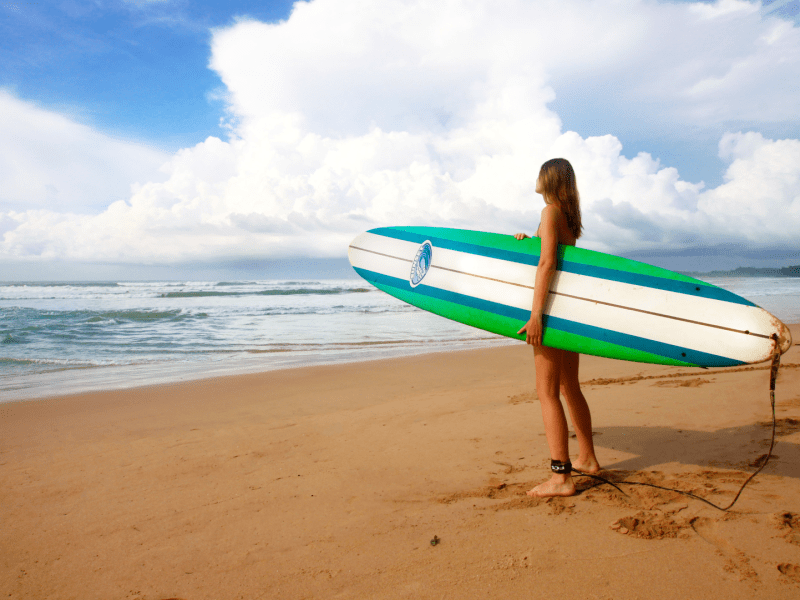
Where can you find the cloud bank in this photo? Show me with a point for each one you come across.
(353, 114)
(49, 162)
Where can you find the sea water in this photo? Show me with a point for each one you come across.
(58, 338)
(71, 337)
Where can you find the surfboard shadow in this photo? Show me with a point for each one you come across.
(737, 448)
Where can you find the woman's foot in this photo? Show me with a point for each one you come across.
(559, 485)
(590, 465)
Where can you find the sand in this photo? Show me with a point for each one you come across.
(332, 482)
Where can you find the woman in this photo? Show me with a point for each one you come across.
(558, 369)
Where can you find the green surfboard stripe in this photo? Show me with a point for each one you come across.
(508, 327)
(569, 253)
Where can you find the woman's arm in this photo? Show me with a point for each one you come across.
(548, 231)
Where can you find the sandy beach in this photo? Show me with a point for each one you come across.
(332, 482)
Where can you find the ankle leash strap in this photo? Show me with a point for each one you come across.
(556, 466)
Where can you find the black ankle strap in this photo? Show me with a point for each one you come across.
(556, 466)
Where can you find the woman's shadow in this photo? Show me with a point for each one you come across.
(741, 448)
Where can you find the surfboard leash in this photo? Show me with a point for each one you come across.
(773, 376)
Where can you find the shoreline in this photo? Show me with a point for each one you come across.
(91, 339)
(121, 377)
(331, 481)
(115, 378)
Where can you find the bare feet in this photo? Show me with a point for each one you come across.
(589, 465)
(559, 485)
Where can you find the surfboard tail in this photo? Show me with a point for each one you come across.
(784, 335)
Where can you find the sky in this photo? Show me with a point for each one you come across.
(178, 139)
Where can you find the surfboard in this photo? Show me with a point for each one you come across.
(598, 303)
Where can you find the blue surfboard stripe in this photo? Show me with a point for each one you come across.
(607, 335)
(649, 281)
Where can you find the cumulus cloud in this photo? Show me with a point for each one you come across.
(49, 162)
(355, 113)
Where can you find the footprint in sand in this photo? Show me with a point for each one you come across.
(789, 524)
(523, 398)
(737, 561)
(790, 571)
(649, 526)
(509, 468)
(697, 382)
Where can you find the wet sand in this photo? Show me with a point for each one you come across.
(331, 482)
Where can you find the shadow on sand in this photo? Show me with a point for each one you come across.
(738, 448)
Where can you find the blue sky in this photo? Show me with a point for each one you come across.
(137, 69)
(169, 133)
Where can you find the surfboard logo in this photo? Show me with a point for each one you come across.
(421, 263)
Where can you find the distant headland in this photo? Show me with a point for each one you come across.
(791, 271)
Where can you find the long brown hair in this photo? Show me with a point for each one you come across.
(559, 185)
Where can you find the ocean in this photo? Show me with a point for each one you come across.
(58, 338)
(73, 337)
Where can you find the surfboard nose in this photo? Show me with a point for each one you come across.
(355, 244)
(784, 336)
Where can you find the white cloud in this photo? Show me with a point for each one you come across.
(357, 113)
(762, 187)
(49, 162)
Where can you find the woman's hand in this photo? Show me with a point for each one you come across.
(533, 329)
(521, 236)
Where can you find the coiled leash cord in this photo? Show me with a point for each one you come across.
(559, 467)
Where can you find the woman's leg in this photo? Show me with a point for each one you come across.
(579, 412)
(548, 382)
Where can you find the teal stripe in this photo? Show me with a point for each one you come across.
(669, 351)
(699, 290)
(570, 253)
(696, 357)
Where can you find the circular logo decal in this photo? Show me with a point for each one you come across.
(421, 263)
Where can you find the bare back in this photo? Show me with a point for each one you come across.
(565, 236)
